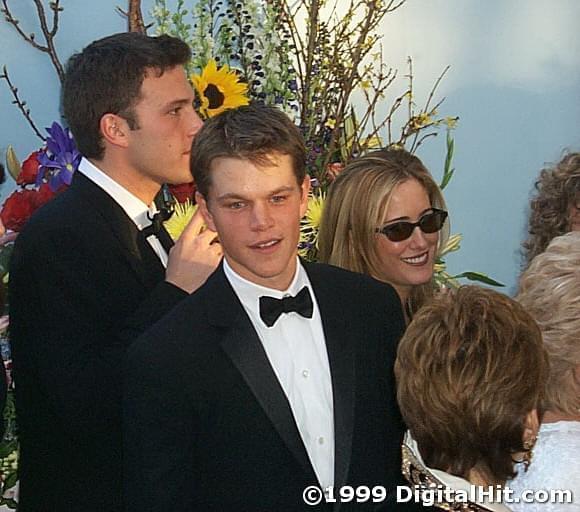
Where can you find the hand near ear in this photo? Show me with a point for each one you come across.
(194, 257)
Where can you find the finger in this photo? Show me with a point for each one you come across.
(194, 226)
(207, 236)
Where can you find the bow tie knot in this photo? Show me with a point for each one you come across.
(156, 222)
(157, 229)
(271, 308)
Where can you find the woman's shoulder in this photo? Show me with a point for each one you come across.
(555, 460)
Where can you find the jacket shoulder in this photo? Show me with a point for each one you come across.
(329, 276)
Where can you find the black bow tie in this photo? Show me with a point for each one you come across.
(158, 230)
(271, 308)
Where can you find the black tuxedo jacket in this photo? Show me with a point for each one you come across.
(208, 426)
(83, 283)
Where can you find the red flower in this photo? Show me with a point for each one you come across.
(183, 192)
(29, 170)
(21, 204)
(17, 209)
(44, 194)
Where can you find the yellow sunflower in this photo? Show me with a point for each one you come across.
(309, 227)
(181, 216)
(219, 89)
(314, 211)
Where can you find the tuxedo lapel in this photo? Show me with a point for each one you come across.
(138, 252)
(340, 345)
(243, 346)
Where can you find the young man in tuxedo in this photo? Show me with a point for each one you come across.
(274, 376)
(91, 271)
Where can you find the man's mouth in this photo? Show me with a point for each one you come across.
(264, 245)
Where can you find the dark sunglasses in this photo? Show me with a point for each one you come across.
(429, 223)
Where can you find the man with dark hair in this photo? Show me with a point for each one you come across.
(279, 372)
(95, 267)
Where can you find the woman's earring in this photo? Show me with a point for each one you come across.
(529, 452)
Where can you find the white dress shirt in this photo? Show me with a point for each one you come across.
(296, 349)
(136, 209)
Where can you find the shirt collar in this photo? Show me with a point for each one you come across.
(249, 293)
(450, 481)
(136, 209)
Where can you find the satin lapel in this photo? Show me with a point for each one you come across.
(242, 344)
(137, 251)
(341, 339)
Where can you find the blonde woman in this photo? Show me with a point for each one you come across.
(550, 292)
(385, 216)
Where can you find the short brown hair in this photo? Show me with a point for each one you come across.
(254, 132)
(469, 369)
(550, 292)
(106, 77)
(356, 205)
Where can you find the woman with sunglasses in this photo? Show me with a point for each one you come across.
(385, 216)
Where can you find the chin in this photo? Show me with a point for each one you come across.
(422, 279)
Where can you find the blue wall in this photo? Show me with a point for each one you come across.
(514, 82)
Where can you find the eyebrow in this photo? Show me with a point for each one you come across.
(233, 195)
(407, 217)
(179, 102)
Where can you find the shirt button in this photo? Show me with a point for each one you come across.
(321, 440)
(305, 373)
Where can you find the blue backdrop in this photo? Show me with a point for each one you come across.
(514, 82)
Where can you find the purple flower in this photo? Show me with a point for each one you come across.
(59, 159)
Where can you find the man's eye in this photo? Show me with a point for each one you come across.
(278, 199)
(174, 111)
(235, 206)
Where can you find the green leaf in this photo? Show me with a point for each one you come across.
(12, 162)
(478, 276)
(11, 480)
(446, 178)
(5, 253)
(7, 447)
(447, 170)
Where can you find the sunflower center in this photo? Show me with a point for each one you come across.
(214, 96)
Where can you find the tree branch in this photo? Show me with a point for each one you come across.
(49, 34)
(134, 17)
(20, 103)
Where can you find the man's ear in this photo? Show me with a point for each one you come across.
(304, 189)
(203, 208)
(114, 130)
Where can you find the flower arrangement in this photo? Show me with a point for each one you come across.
(219, 89)
(41, 176)
(322, 63)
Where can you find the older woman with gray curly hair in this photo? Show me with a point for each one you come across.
(550, 292)
(555, 210)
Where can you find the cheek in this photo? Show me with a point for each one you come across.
(432, 239)
(388, 249)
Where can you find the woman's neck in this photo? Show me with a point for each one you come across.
(476, 477)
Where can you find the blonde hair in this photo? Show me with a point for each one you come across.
(550, 291)
(356, 205)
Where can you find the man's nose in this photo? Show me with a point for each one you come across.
(261, 217)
